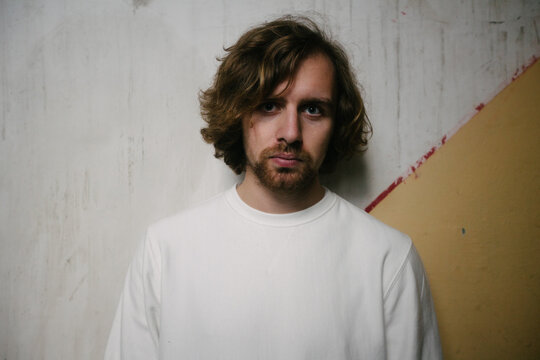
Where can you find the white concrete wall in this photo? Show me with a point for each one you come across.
(99, 129)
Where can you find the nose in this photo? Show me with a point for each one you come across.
(290, 129)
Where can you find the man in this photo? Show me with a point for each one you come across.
(278, 267)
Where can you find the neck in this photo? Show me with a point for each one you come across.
(253, 193)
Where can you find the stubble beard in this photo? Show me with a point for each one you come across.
(284, 179)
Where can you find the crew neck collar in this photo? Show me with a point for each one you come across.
(280, 220)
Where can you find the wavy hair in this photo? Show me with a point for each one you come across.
(251, 69)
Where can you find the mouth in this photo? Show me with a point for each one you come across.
(285, 160)
(286, 156)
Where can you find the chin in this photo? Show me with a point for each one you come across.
(286, 180)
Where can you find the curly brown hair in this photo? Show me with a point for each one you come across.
(263, 58)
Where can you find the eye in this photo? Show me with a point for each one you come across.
(268, 107)
(313, 110)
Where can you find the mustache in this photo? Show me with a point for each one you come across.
(284, 148)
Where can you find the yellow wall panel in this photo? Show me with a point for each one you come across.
(473, 211)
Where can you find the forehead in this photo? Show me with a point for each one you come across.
(314, 76)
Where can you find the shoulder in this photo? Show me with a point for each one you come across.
(359, 222)
(376, 243)
(193, 218)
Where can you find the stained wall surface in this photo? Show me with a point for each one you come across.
(99, 129)
(473, 211)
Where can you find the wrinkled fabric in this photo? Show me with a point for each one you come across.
(225, 281)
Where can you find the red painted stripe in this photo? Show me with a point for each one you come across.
(523, 68)
(412, 170)
(384, 194)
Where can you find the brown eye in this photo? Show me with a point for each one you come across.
(268, 107)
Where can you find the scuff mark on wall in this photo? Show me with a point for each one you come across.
(130, 163)
(536, 32)
(77, 287)
(398, 90)
(139, 3)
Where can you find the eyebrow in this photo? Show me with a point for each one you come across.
(316, 100)
(312, 100)
(327, 104)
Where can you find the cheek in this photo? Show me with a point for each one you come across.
(323, 142)
(248, 135)
(248, 146)
(252, 143)
(258, 135)
(324, 137)
(317, 145)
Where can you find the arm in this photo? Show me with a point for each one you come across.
(135, 330)
(411, 325)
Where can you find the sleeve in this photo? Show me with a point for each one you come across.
(410, 321)
(135, 330)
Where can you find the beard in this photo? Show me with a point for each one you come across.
(284, 179)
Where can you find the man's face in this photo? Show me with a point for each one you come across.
(286, 137)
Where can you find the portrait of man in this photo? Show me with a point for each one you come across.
(278, 266)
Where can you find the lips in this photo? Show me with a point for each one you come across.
(286, 156)
(285, 160)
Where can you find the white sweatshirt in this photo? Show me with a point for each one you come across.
(225, 281)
